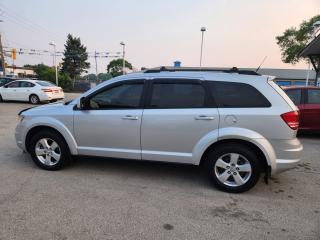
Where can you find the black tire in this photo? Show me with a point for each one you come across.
(63, 150)
(34, 99)
(226, 151)
(1, 100)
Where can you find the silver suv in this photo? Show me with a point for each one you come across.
(237, 124)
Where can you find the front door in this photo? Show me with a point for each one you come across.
(176, 117)
(9, 92)
(111, 125)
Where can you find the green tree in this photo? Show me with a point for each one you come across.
(43, 72)
(294, 40)
(47, 73)
(75, 57)
(115, 67)
(104, 76)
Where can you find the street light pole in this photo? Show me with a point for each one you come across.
(123, 54)
(55, 61)
(203, 29)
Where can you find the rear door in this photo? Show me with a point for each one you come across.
(178, 114)
(24, 90)
(311, 115)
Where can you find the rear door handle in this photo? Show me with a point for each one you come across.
(129, 117)
(203, 117)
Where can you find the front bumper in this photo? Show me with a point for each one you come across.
(19, 136)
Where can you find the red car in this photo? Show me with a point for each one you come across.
(307, 100)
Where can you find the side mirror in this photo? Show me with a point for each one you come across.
(83, 103)
(5, 86)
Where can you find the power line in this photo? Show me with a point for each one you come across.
(19, 19)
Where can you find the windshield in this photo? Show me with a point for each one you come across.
(3, 81)
(45, 84)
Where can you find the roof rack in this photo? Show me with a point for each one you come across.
(202, 69)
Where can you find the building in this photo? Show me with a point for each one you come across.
(20, 72)
(287, 77)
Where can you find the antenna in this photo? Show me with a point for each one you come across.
(261, 63)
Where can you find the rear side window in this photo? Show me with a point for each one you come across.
(177, 95)
(294, 95)
(237, 95)
(24, 84)
(313, 96)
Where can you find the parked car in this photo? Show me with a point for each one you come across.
(307, 99)
(235, 123)
(33, 91)
(5, 80)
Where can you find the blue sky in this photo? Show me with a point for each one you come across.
(239, 32)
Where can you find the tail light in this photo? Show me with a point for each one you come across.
(47, 90)
(291, 119)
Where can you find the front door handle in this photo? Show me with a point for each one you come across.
(204, 117)
(129, 117)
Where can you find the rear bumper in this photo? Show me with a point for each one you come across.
(49, 96)
(288, 154)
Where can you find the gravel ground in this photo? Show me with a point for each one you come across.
(115, 199)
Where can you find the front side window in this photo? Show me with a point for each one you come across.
(119, 97)
(237, 95)
(177, 95)
(313, 96)
(294, 95)
(13, 85)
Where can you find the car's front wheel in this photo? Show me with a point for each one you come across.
(49, 150)
(233, 167)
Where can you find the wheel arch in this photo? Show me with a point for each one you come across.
(63, 133)
(261, 146)
(249, 144)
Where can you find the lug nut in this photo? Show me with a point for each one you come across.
(234, 173)
(237, 168)
(229, 172)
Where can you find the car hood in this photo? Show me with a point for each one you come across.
(46, 107)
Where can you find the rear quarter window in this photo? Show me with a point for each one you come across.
(237, 95)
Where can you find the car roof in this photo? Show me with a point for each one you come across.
(299, 87)
(192, 74)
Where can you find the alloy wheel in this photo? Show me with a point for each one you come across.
(233, 169)
(47, 151)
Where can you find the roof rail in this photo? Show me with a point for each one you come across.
(202, 69)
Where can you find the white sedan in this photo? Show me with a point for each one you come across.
(33, 91)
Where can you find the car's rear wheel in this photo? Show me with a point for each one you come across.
(34, 99)
(233, 167)
(49, 150)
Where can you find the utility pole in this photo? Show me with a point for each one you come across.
(95, 59)
(55, 61)
(2, 58)
(123, 54)
(203, 29)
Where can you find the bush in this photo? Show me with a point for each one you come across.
(65, 82)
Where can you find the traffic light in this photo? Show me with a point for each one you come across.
(14, 54)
